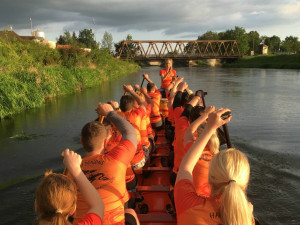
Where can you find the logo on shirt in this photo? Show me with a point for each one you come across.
(92, 176)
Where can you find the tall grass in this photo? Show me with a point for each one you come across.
(31, 72)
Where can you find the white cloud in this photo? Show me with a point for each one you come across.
(291, 8)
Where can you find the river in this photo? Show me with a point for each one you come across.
(265, 126)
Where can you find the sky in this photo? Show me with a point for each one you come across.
(152, 19)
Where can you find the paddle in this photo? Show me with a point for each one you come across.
(201, 94)
(142, 82)
(225, 129)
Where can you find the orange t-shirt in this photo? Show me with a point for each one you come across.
(155, 114)
(171, 116)
(177, 113)
(145, 124)
(135, 118)
(90, 219)
(200, 172)
(165, 83)
(193, 209)
(181, 125)
(107, 173)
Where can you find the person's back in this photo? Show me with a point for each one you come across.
(107, 171)
(155, 117)
(228, 176)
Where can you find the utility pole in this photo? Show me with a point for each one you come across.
(30, 25)
(94, 28)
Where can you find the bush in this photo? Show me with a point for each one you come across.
(31, 72)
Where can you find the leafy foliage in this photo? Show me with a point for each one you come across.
(239, 34)
(31, 72)
(87, 38)
(254, 41)
(291, 44)
(107, 42)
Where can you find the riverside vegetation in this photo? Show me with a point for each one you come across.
(269, 61)
(31, 72)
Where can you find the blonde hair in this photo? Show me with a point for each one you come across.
(229, 176)
(213, 143)
(170, 61)
(56, 197)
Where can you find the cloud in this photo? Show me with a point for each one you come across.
(170, 18)
(291, 8)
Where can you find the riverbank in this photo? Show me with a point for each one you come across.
(31, 73)
(270, 61)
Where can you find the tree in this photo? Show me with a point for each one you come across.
(291, 44)
(65, 39)
(209, 35)
(253, 41)
(87, 38)
(119, 44)
(107, 42)
(273, 43)
(239, 34)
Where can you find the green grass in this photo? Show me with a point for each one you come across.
(271, 61)
(31, 72)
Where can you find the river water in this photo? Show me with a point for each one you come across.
(265, 104)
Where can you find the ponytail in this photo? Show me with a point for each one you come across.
(56, 198)
(235, 206)
(229, 176)
(59, 219)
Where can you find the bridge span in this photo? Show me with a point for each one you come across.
(179, 49)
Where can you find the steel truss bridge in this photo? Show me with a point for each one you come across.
(188, 50)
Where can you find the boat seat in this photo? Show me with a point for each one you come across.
(156, 218)
(153, 188)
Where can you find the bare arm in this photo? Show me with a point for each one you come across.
(191, 157)
(146, 76)
(94, 201)
(125, 128)
(189, 133)
(139, 100)
(173, 91)
(147, 97)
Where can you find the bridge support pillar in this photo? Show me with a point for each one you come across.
(213, 62)
(192, 63)
(154, 63)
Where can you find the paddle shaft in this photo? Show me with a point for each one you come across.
(142, 82)
(226, 133)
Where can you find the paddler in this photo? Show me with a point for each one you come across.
(167, 76)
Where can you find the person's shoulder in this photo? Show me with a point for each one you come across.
(90, 218)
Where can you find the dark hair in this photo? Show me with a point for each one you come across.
(93, 135)
(185, 98)
(150, 86)
(126, 103)
(195, 113)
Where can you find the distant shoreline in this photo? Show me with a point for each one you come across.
(267, 61)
